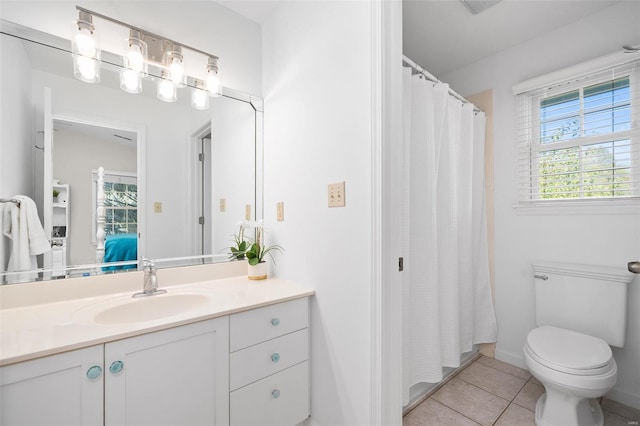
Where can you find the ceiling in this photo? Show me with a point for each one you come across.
(443, 35)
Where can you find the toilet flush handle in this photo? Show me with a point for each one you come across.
(542, 277)
(634, 267)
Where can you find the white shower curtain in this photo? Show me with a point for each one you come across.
(446, 289)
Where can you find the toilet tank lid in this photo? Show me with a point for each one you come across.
(569, 349)
(598, 272)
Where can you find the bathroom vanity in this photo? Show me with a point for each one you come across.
(232, 352)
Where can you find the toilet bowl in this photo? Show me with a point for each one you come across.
(574, 369)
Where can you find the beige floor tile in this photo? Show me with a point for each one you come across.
(620, 409)
(432, 413)
(505, 367)
(536, 381)
(611, 419)
(471, 401)
(495, 381)
(515, 415)
(529, 395)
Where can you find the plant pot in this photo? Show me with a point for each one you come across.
(257, 272)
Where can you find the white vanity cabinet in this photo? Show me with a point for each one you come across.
(269, 365)
(249, 368)
(172, 377)
(64, 389)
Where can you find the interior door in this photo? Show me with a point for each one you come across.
(204, 194)
(47, 209)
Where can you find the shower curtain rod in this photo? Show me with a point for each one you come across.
(432, 78)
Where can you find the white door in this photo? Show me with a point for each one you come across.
(64, 389)
(178, 376)
(47, 209)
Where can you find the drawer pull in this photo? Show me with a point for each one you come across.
(275, 394)
(116, 366)
(275, 357)
(275, 322)
(94, 372)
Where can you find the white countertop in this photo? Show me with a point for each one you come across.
(28, 332)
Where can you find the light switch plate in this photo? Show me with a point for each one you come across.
(157, 207)
(280, 211)
(223, 204)
(247, 212)
(336, 194)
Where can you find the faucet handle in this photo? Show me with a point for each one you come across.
(147, 265)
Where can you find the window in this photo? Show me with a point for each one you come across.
(579, 139)
(121, 203)
(121, 208)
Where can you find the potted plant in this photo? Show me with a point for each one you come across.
(55, 195)
(257, 265)
(239, 250)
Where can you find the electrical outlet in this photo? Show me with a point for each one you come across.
(247, 212)
(280, 211)
(336, 194)
(223, 205)
(157, 207)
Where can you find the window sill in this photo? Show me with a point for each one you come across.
(627, 206)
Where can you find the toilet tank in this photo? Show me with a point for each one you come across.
(589, 299)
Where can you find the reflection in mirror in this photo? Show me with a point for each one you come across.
(175, 202)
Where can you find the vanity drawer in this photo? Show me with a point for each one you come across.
(278, 400)
(259, 325)
(264, 359)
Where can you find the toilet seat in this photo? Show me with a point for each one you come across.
(569, 352)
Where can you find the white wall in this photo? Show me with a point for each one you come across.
(75, 156)
(204, 25)
(601, 239)
(318, 106)
(16, 121)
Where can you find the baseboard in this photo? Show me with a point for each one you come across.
(624, 397)
(511, 358)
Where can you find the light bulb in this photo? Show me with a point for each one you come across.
(213, 83)
(176, 70)
(130, 81)
(167, 91)
(135, 58)
(85, 43)
(86, 69)
(199, 99)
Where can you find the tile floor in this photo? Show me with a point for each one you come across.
(491, 392)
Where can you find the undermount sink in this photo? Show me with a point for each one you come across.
(128, 310)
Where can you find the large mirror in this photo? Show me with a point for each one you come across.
(177, 180)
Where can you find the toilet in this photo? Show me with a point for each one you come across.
(581, 310)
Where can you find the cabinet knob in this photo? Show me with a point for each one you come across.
(116, 366)
(275, 393)
(275, 322)
(275, 357)
(94, 372)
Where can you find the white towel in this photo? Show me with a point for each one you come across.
(23, 227)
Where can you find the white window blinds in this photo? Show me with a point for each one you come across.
(578, 136)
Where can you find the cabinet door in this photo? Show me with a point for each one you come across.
(64, 389)
(173, 377)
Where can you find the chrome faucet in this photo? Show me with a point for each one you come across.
(150, 287)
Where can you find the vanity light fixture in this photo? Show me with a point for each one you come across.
(86, 49)
(167, 91)
(135, 57)
(199, 96)
(146, 54)
(175, 63)
(214, 82)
